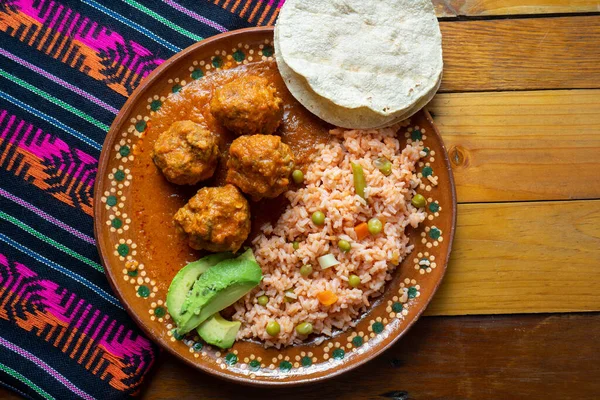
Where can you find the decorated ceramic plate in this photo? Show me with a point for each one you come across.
(352, 245)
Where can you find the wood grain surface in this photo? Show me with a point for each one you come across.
(477, 8)
(509, 146)
(523, 258)
(521, 54)
(517, 357)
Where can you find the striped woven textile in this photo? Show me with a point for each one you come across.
(66, 67)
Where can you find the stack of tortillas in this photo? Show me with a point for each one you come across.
(360, 63)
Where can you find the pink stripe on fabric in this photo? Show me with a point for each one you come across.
(56, 15)
(8, 125)
(64, 21)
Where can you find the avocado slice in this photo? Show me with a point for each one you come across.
(185, 278)
(218, 288)
(219, 332)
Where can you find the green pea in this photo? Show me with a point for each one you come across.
(263, 300)
(344, 245)
(306, 270)
(304, 328)
(354, 280)
(419, 201)
(318, 218)
(383, 165)
(298, 176)
(273, 328)
(375, 226)
(295, 245)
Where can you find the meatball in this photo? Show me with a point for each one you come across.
(260, 165)
(215, 219)
(186, 153)
(248, 105)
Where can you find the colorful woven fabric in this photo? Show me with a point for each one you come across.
(66, 67)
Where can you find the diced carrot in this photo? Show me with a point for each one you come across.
(327, 297)
(362, 231)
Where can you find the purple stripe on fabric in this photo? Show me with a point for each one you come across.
(51, 371)
(47, 217)
(196, 16)
(61, 82)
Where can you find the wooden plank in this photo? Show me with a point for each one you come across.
(477, 8)
(523, 258)
(532, 53)
(542, 145)
(508, 357)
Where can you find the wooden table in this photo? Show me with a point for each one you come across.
(516, 317)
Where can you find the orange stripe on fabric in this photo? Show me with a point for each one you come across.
(254, 11)
(77, 346)
(53, 43)
(126, 75)
(98, 364)
(264, 14)
(3, 313)
(85, 351)
(237, 3)
(33, 37)
(245, 8)
(60, 46)
(60, 335)
(69, 340)
(43, 39)
(225, 4)
(3, 155)
(94, 354)
(273, 17)
(11, 162)
(50, 332)
(115, 368)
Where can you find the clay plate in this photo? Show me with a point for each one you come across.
(141, 255)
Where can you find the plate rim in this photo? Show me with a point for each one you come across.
(103, 162)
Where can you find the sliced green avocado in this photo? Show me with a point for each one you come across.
(217, 331)
(218, 288)
(185, 278)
